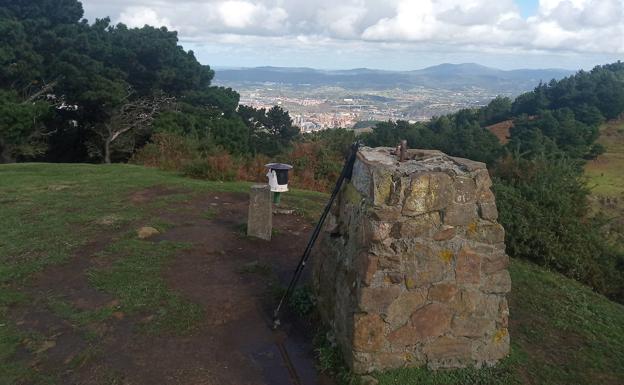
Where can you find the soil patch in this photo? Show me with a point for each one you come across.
(234, 343)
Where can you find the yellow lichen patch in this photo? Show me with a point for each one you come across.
(498, 337)
(410, 283)
(382, 182)
(351, 195)
(408, 357)
(472, 228)
(446, 256)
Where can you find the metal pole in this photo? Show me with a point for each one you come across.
(347, 172)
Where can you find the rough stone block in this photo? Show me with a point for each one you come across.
(417, 226)
(460, 214)
(445, 233)
(464, 326)
(427, 193)
(486, 232)
(482, 179)
(260, 218)
(377, 299)
(448, 348)
(487, 210)
(468, 267)
(400, 311)
(465, 190)
(499, 282)
(431, 321)
(497, 261)
(367, 266)
(368, 335)
(413, 270)
(443, 292)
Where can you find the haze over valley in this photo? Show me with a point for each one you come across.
(320, 99)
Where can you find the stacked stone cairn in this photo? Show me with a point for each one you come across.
(411, 267)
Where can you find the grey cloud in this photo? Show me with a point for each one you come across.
(593, 26)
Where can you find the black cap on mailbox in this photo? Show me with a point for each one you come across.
(281, 172)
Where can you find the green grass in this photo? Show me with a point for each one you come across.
(135, 279)
(606, 175)
(562, 332)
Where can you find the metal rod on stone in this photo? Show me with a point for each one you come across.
(403, 151)
(346, 173)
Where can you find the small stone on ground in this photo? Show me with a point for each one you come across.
(147, 232)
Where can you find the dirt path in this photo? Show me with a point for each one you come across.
(228, 274)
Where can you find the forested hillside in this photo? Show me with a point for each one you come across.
(74, 91)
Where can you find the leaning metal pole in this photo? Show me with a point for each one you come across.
(346, 173)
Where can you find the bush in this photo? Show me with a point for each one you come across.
(166, 151)
(220, 167)
(544, 208)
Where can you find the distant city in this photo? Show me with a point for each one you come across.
(317, 109)
(317, 100)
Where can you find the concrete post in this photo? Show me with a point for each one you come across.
(260, 220)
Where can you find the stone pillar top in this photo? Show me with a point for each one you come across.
(418, 161)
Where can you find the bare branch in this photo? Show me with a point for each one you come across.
(44, 90)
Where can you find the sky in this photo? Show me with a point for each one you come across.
(384, 34)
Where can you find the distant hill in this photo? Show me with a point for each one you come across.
(443, 76)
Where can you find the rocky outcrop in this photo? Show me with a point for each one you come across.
(411, 269)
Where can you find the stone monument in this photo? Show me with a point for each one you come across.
(411, 268)
(260, 215)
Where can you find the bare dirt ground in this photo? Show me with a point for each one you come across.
(233, 345)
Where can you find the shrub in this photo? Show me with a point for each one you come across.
(167, 151)
(220, 167)
(544, 208)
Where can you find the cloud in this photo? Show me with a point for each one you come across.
(239, 14)
(574, 26)
(567, 25)
(140, 16)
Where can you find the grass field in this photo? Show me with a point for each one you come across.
(561, 332)
(605, 177)
(606, 174)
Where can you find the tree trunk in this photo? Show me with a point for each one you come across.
(107, 144)
(5, 155)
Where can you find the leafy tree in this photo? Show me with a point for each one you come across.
(231, 134)
(270, 131)
(497, 110)
(22, 132)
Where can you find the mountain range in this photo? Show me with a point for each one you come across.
(443, 76)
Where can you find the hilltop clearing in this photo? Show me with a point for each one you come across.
(83, 300)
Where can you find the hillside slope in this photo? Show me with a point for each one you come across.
(562, 332)
(443, 76)
(606, 177)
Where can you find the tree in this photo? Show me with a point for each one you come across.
(128, 119)
(496, 111)
(22, 133)
(270, 132)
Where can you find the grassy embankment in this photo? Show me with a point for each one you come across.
(562, 332)
(606, 174)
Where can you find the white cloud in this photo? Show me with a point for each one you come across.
(239, 14)
(572, 25)
(140, 16)
(575, 27)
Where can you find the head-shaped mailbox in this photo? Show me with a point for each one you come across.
(278, 176)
